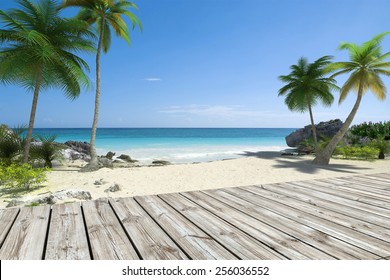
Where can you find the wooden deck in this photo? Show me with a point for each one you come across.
(342, 218)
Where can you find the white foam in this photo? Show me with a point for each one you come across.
(189, 154)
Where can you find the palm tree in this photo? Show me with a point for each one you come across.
(106, 15)
(366, 65)
(39, 52)
(306, 86)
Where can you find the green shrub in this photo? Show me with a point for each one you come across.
(11, 143)
(307, 145)
(382, 145)
(351, 152)
(21, 176)
(371, 130)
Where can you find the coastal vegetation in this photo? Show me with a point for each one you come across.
(106, 16)
(306, 86)
(371, 130)
(14, 173)
(39, 52)
(366, 66)
(21, 176)
(365, 141)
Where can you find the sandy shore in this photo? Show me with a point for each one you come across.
(261, 168)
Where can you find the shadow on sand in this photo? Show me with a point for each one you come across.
(302, 163)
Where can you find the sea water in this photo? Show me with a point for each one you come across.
(177, 145)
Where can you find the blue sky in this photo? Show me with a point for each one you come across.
(212, 63)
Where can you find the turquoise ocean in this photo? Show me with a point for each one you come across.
(177, 145)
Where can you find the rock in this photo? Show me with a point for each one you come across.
(74, 155)
(52, 198)
(324, 130)
(114, 188)
(105, 162)
(99, 182)
(125, 158)
(14, 202)
(81, 147)
(109, 155)
(77, 194)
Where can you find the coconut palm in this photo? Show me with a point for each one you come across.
(366, 65)
(39, 52)
(306, 86)
(106, 15)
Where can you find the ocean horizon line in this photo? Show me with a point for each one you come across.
(146, 127)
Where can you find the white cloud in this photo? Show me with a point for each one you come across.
(152, 79)
(224, 111)
(196, 115)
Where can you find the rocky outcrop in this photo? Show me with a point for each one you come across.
(80, 147)
(324, 130)
(77, 150)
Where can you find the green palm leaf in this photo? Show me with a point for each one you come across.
(365, 67)
(306, 85)
(39, 51)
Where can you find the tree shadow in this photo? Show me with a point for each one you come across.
(302, 164)
(261, 154)
(16, 192)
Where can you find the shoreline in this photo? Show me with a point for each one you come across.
(263, 167)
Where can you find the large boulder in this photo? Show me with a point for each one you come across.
(324, 130)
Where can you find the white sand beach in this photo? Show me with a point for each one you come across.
(261, 168)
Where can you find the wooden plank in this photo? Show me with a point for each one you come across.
(238, 242)
(311, 236)
(361, 183)
(313, 206)
(26, 239)
(374, 179)
(150, 240)
(302, 188)
(7, 218)
(107, 238)
(255, 195)
(67, 239)
(271, 236)
(384, 177)
(353, 189)
(192, 240)
(348, 194)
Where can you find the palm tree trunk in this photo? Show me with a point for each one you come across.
(93, 164)
(313, 127)
(32, 115)
(323, 157)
